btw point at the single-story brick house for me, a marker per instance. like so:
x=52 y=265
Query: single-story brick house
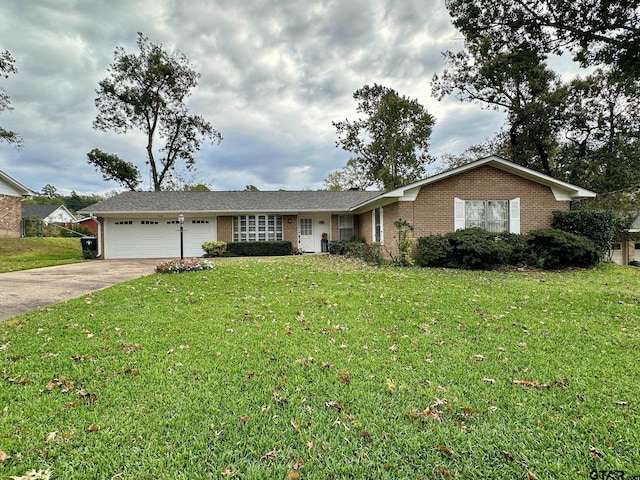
x=491 y=193
x=11 y=194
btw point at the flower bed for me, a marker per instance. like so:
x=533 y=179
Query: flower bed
x=185 y=265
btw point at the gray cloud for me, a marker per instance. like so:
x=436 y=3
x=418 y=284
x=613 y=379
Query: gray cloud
x=274 y=75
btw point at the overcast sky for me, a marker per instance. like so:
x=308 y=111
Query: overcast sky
x=275 y=74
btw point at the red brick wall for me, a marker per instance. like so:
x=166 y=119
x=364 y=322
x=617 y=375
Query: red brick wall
x=10 y=216
x=433 y=209
x=225 y=229
x=290 y=230
x=334 y=228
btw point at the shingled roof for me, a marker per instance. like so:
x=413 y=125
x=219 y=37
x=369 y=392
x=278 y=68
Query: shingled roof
x=231 y=202
x=42 y=211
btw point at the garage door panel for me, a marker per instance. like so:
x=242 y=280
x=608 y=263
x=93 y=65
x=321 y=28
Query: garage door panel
x=196 y=232
x=156 y=238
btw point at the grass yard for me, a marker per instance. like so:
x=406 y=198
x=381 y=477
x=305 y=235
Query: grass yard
x=33 y=252
x=320 y=368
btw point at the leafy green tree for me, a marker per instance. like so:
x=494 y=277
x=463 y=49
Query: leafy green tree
x=75 y=202
x=251 y=188
x=391 y=140
x=49 y=191
x=352 y=175
x=7 y=67
x=114 y=168
x=198 y=187
x=601 y=148
x=597 y=32
x=516 y=81
x=147 y=91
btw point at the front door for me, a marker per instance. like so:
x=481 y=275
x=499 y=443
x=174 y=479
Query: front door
x=305 y=235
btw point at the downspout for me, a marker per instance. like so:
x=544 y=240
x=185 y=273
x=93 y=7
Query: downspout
x=95 y=219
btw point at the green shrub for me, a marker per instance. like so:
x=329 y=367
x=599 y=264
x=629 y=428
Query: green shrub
x=477 y=249
x=214 y=249
x=403 y=242
x=354 y=247
x=553 y=248
x=520 y=255
x=599 y=226
x=260 y=249
x=337 y=247
x=89 y=254
x=433 y=251
x=369 y=252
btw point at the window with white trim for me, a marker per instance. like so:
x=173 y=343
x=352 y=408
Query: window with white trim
x=345 y=227
x=491 y=215
x=257 y=228
x=377 y=222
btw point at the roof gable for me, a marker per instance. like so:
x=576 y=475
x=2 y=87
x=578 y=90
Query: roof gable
x=561 y=190
x=44 y=211
x=10 y=186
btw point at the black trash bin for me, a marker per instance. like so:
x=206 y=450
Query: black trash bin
x=89 y=247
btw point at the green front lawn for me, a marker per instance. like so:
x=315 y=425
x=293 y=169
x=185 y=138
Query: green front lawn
x=318 y=368
x=33 y=252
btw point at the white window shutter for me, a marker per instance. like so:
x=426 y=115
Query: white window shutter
x=459 y=220
x=514 y=215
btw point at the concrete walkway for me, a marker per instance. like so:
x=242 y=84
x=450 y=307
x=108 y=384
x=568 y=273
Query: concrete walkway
x=28 y=290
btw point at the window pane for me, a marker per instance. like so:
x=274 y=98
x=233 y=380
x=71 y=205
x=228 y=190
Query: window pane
x=497 y=215
x=345 y=221
x=252 y=228
x=306 y=226
x=377 y=227
x=345 y=227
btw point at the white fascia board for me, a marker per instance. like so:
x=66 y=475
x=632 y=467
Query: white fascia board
x=19 y=188
x=410 y=194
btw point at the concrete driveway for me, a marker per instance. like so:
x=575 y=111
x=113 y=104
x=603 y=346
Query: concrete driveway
x=27 y=290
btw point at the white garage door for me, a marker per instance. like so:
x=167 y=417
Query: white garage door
x=157 y=238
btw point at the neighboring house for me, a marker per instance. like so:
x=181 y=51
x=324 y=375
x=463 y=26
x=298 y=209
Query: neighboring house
x=90 y=223
x=624 y=252
x=490 y=193
x=11 y=194
x=58 y=214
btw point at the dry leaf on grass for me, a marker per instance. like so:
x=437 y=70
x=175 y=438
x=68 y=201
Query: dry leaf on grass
x=3 y=457
x=445 y=450
x=269 y=455
x=34 y=475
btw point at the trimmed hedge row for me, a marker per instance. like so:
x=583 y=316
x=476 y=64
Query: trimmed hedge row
x=260 y=249
x=478 y=249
